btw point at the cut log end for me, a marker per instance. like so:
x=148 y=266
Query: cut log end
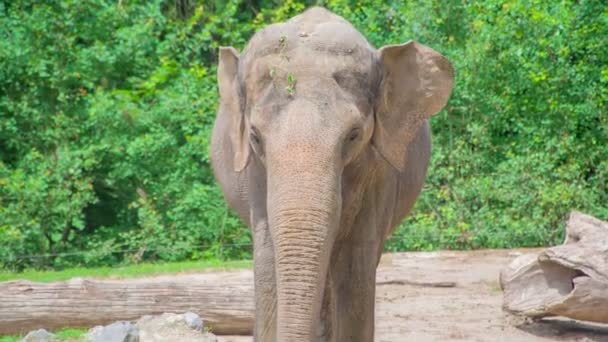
x=570 y=280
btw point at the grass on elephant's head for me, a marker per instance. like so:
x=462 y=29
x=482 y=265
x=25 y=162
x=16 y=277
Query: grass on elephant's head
x=63 y=335
x=129 y=271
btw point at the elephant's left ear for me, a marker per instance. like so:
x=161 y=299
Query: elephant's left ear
x=416 y=84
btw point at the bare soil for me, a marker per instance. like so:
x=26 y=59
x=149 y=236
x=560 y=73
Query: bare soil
x=455 y=296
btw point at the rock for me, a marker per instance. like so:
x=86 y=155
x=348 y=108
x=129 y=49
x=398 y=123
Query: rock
x=93 y=333
x=211 y=337
x=186 y=327
x=121 y=331
x=40 y=335
x=194 y=321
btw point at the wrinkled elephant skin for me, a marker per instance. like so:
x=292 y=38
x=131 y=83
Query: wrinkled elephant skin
x=321 y=145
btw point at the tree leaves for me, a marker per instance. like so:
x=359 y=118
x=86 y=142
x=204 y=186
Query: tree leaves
x=106 y=110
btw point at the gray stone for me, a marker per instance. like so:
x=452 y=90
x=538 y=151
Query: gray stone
x=194 y=321
x=121 y=331
x=40 y=335
x=186 y=327
x=210 y=337
x=93 y=333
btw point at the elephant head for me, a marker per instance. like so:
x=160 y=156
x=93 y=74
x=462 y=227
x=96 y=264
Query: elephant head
x=307 y=100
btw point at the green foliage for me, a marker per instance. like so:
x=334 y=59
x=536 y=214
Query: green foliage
x=127 y=271
x=62 y=335
x=106 y=109
x=523 y=140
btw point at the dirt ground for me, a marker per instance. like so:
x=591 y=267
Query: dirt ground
x=455 y=296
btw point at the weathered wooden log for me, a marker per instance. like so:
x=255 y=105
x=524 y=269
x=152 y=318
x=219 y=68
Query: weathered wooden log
x=223 y=300
x=569 y=280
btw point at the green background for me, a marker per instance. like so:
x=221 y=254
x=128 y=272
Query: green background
x=106 y=109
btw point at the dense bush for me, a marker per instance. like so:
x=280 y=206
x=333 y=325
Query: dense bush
x=106 y=108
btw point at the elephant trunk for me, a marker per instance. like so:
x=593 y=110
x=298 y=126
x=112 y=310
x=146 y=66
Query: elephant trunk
x=303 y=210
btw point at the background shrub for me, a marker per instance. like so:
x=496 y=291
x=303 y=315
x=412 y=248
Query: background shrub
x=106 y=109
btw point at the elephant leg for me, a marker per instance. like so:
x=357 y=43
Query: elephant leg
x=352 y=289
x=352 y=276
x=264 y=284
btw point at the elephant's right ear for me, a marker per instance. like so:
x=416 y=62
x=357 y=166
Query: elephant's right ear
x=231 y=101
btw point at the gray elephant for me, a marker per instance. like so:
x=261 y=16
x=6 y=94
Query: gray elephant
x=321 y=145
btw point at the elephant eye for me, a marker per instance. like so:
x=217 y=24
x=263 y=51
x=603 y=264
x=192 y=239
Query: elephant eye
x=354 y=134
x=254 y=135
x=255 y=138
x=256 y=141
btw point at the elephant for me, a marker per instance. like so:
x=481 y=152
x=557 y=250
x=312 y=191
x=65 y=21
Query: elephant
x=321 y=145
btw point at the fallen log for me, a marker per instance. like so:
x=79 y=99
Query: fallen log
x=417 y=283
x=569 y=280
x=223 y=300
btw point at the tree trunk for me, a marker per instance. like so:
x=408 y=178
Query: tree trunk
x=223 y=300
x=570 y=280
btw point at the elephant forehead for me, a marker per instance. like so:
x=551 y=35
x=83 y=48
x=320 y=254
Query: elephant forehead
x=302 y=68
x=315 y=54
x=303 y=64
x=315 y=35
